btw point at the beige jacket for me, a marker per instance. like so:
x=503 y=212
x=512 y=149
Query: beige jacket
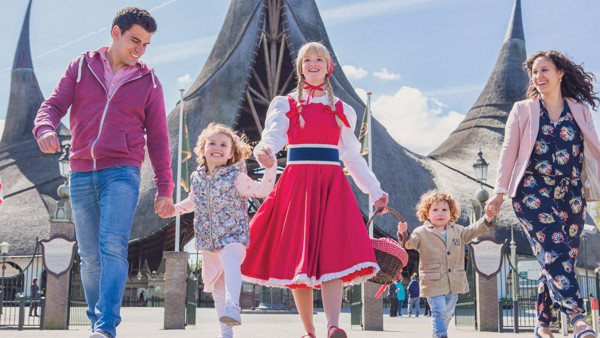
x=442 y=263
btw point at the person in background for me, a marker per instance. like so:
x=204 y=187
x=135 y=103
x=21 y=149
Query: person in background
x=35 y=296
x=401 y=295
x=393 y=298
x=413 y=296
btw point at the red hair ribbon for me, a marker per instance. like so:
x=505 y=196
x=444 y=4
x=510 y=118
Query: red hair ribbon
x=337 y=113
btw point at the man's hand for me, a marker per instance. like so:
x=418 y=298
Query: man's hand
x=163 y=206
x=49 y=143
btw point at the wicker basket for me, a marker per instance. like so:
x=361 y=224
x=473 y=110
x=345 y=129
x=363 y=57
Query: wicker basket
x=391 y=256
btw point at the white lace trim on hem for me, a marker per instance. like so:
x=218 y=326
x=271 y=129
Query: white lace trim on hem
x=303 y=279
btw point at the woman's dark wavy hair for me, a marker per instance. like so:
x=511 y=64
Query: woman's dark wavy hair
x=576 y=83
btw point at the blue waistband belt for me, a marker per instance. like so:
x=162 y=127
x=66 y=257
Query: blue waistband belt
x=300 y=154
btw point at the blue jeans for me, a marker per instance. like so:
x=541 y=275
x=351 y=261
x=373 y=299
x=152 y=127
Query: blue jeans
x=413 y=304
x=442 y=310
x=103 y=205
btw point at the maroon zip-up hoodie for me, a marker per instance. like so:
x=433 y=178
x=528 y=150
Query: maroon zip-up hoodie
x=109 y=131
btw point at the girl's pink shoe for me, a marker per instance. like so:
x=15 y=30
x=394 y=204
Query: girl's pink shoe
x=309 y=335
x=336 y=332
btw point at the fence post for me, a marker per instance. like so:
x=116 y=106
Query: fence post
x=597 y=283
x=1 y=300
x=42 y=311
x=516 y=316
x=21 y=312
x=564 y=323
x=500 y=316
x=595 y=314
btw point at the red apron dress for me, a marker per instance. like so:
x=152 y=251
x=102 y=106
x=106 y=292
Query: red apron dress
x=310 y=230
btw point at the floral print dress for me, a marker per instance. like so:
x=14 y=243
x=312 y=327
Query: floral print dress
x=550 y=204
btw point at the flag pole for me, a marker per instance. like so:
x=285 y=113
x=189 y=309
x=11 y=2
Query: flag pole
x=178 y=194
x=370 y=154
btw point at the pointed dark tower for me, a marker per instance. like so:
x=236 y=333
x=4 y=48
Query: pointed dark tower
x=483 y=127
x=25 y=94
x=26 y=172
x=251 y=62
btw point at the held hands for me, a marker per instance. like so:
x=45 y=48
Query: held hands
x=49 y=143
x=267 y=160
x=382 y=204
x=163 y=206
x=402 y=227
x=492 y=207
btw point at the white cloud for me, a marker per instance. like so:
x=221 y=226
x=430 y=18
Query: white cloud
x=384 y=74
x=415 y=121
x=354 y=73
x=448 y=91
x=361 y=93
x=182 y=81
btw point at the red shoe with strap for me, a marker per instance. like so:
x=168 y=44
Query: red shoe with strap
x=309 y=335
x=336 y=332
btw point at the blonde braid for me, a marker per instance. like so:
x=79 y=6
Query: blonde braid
x=300 y=90
x=331 y=104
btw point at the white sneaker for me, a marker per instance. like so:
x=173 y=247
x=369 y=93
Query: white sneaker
x=231 y=316
x=100 y=334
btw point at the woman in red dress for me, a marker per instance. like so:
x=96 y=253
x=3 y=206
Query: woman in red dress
x=309 y=233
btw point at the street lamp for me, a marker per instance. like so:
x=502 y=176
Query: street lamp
x=63 y=162
x=480 y=167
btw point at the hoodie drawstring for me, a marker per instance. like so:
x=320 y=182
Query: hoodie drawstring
x=80 y=65
x=153 y=82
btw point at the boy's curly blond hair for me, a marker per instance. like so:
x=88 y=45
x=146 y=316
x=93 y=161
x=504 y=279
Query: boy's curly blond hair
x=433 y=196
x=239 y=143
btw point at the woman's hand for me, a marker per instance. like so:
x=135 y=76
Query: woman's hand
x=492 y=208
x=381 y=203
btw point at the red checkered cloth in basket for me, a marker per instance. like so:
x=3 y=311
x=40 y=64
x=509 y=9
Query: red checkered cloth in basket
x=391 y=247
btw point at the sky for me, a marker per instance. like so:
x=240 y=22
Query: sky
x=426 y=61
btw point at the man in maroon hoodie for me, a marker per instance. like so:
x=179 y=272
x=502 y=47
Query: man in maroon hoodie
x=117 y=106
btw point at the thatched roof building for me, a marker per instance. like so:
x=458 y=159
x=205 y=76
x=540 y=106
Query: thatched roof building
x=252 y=62
x=26 y=172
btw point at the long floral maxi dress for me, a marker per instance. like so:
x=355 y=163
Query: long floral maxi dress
x=550 y=204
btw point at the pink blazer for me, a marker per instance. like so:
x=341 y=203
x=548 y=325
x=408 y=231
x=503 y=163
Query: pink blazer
x=519 y=139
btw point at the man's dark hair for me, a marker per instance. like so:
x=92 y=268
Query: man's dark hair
x=130 y=16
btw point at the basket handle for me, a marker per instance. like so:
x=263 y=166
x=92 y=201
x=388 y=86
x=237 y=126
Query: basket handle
x=376 y=212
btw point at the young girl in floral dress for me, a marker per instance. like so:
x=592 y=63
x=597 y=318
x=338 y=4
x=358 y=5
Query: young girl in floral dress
x=309 y=233
x=219 y=194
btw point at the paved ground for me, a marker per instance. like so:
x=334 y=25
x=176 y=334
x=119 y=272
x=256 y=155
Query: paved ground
x=148 y=322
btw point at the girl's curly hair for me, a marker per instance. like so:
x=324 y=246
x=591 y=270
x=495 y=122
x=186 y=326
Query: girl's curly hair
x=576 y=82
x=433 y=196
x=239 y=143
